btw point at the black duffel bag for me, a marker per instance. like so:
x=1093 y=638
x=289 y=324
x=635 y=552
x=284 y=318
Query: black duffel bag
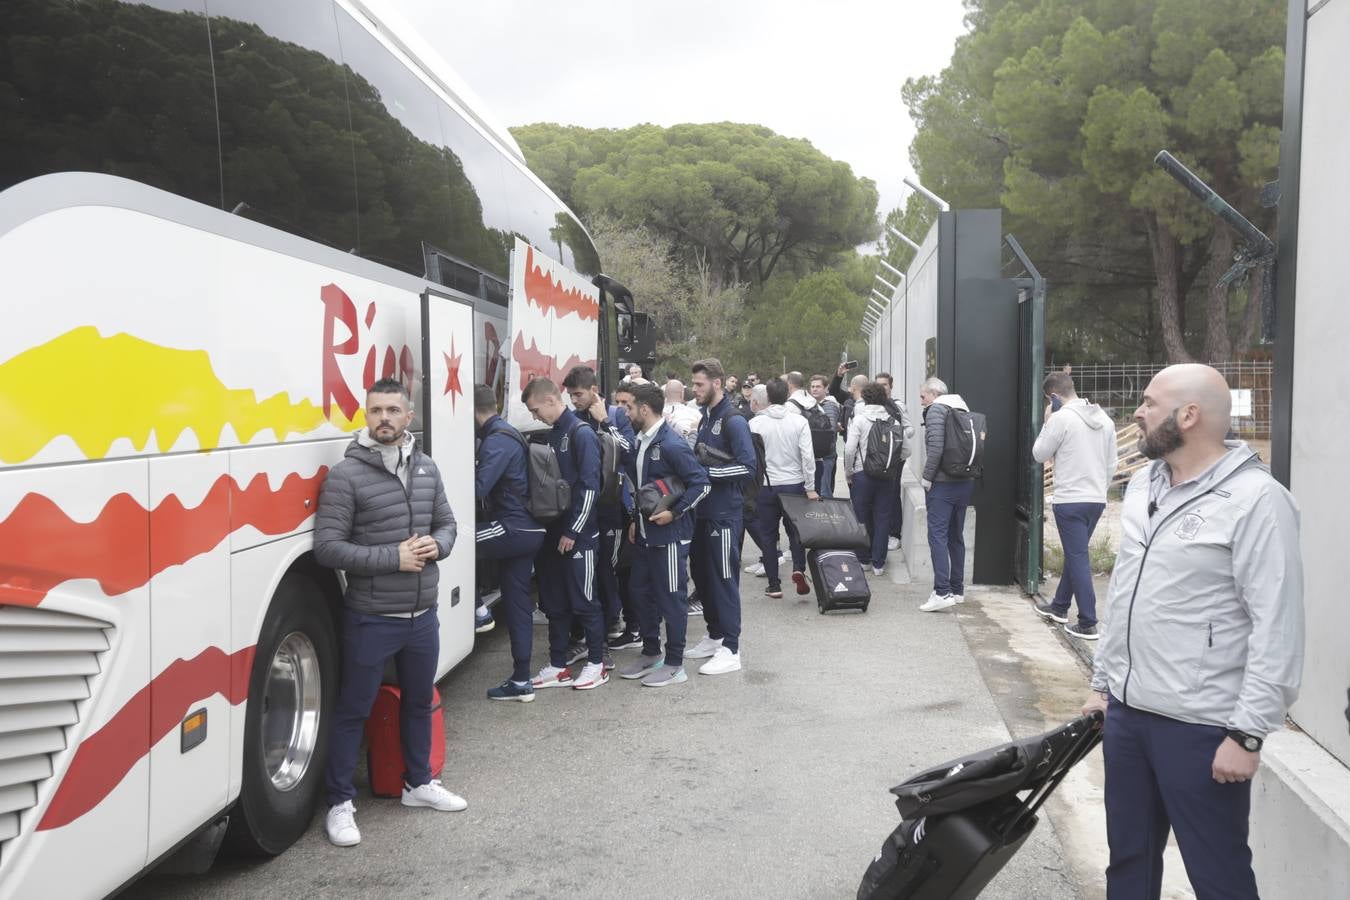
x=659 y=495
x=825 y=524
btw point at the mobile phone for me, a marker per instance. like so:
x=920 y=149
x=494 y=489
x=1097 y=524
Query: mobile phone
x=1055 y=403
x=851 y=364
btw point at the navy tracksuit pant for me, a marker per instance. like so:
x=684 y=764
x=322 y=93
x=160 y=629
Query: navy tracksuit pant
x=1076 y=522
x=716 y=559
x=658 y=584
x=567 y=594
x=367 y=643
x=1158 y=778
x=770 y=515
x=872 y=498
x=615 y=596
x=947 y=502
x=515 y=552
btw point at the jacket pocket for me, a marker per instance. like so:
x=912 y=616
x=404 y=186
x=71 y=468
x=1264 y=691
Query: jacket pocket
x=1205 y=640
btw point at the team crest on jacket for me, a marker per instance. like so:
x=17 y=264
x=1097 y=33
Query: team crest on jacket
x=1189 y=526
x=717 y=427
x=656 y=453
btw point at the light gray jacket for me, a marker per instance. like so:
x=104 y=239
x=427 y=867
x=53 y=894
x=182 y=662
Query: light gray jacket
x=1206 y=600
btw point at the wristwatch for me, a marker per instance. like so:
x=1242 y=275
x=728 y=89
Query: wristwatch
x=1249 y=742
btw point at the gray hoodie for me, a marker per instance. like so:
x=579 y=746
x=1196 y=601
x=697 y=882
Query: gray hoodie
x=1206 y=600
x=1082 y=440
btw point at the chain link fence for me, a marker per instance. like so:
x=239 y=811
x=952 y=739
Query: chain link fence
x=1118 y=389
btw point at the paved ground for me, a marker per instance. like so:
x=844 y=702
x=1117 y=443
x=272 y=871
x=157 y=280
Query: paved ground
x=767 y=783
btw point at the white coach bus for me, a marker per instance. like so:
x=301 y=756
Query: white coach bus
x=218 y=225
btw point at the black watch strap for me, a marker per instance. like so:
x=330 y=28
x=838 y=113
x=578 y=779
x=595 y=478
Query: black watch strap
x=1249 y=742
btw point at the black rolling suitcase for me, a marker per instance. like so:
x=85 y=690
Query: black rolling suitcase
x=965 y=819
x=839 y=579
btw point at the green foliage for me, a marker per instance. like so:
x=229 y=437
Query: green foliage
x=742 y=199
x=1054 y=109
x=805 y=323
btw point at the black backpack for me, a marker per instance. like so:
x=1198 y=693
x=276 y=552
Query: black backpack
x=611 y=460
x=750 y=490
x=823 y=438
x=550 y=496
x=963 y=444
x=884 y=456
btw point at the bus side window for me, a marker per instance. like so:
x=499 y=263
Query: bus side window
x=284 y=133
x=402 y=170
x=116 y=88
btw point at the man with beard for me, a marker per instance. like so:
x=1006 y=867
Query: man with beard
x=384 y=519
x=1203 y=653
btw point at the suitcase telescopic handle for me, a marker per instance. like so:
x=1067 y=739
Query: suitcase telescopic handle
x=1084 y=744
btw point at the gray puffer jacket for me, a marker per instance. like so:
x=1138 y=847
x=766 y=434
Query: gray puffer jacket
x=366 y=511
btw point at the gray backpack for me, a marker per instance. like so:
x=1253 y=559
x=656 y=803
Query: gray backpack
x=550 y=495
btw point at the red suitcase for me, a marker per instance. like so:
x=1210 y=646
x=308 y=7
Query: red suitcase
x=384 y=751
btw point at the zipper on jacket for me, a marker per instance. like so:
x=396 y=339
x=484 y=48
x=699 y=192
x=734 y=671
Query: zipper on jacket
x=1148 y=545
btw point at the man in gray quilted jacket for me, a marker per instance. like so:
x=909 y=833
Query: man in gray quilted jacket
x=384 y=520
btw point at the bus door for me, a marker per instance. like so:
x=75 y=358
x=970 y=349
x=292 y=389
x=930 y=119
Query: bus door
x=446 y=412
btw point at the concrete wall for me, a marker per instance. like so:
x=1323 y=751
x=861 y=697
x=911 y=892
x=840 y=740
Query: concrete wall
x=1300 y=833
x=1320 y=439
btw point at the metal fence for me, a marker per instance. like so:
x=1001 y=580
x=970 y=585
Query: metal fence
x=1118 y=389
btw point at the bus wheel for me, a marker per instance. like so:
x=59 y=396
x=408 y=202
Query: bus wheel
x=290 y=698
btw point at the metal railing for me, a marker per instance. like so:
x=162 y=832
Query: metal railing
x=1119 y=388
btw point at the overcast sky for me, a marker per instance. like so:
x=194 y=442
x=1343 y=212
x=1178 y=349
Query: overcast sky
x=828 y=72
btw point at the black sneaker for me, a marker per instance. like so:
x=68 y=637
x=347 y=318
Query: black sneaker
x=626 y=640
x=576 y=653
x=775 y=591
x=1082 y=632
x=695 y=608
x=1048 y=611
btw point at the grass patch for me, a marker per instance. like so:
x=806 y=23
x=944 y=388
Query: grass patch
x=1102 y=557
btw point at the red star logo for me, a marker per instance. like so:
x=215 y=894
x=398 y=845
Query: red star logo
x=452 y=385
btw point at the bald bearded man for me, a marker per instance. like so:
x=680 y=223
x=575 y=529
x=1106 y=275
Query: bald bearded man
x=1203 y=651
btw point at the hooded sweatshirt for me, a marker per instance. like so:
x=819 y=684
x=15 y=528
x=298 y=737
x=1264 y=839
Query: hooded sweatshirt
x=394 y=456
x=859 y=428
x=935 y=436
x=1082 y=440
x=788 y=456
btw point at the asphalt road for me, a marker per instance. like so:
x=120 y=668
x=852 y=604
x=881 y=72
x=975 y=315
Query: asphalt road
x=768 y=783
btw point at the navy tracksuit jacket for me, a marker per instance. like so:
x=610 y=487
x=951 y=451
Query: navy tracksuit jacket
x=507 y=532
x=661 y=554
x=613 y=595
x=718 y=535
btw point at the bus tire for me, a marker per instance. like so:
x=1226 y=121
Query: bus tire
x=284 y=753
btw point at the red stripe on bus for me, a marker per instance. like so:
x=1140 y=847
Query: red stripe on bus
x=545 y=293
x=105 y=757
x=126 y=545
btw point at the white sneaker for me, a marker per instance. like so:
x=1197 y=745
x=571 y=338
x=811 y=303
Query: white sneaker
x=704 y=648
x=936 y=602
x=722 y=662
x=892 y=543
x=341 y=825
x=552 y=676
x=877 y=570
x=756 y=570
x=432 y=794
x=539 y=618
x=592 y=676
x=959 y=598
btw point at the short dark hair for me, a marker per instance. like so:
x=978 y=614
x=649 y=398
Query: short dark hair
x=821 y=378
x=874 y=394
x=539 y=387
x=712 y=367
x=886 y=375
x=1057 y=383
x=625 y=387
x=390 y=386
x=778 y=391
x=580 y=377
x=795 y=380
x=484 y=400
x=648 y=395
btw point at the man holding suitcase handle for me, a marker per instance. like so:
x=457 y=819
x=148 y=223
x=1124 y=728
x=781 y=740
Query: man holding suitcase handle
x=1204 y=651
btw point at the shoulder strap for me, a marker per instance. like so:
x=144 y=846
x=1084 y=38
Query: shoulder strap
x=796 y=404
